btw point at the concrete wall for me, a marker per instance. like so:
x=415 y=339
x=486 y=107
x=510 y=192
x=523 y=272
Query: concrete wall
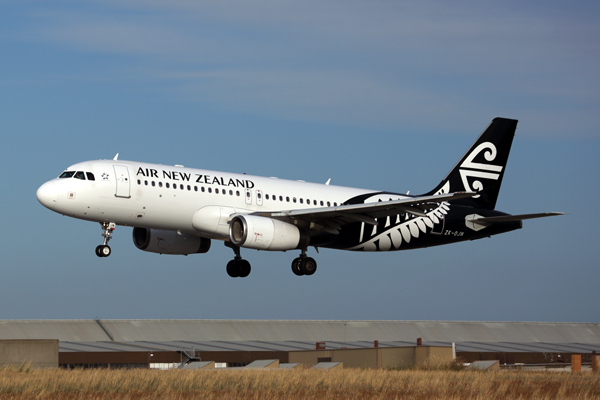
x=39 y=353
x=382 y=357
x=400 y=357
x=424 y=353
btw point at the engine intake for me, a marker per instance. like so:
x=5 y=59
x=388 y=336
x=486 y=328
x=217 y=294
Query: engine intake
x=169 y=242
x=262 y=233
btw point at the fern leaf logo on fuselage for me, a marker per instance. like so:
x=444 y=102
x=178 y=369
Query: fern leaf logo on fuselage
x=471 y=169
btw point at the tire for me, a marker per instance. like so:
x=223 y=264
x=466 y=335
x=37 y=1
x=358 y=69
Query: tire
x=244 y=268
x=308 y=266
x=98 y=251
x=233 y=269
x=296 y=267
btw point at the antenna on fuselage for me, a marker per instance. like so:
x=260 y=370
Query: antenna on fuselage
x=328 y=180
x=116 y=157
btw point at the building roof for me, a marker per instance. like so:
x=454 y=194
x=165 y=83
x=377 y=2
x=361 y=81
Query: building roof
x=219 y=346
x=289 y=335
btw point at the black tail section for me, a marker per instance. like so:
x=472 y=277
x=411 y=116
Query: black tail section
x=481 y=169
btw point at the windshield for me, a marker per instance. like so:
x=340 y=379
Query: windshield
x=67 y=174
x=78 y=175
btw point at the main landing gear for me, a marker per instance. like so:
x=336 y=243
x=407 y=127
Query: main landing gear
x=238 y=267
x=304 y=265
x=104 y=250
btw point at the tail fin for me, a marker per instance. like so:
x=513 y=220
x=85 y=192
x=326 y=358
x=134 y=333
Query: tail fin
x=481 y=169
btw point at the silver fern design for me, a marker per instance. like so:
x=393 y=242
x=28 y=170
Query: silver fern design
x=401 y=232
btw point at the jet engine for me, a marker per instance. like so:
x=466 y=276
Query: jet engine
x=262 y=233
x=169 y=242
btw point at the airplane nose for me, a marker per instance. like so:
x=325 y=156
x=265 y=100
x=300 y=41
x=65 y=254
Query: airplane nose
x=47 y=194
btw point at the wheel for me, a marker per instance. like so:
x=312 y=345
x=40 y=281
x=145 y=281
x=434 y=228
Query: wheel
x=244 y=268
x=105 y=251
x=233 y=268
x=308 y=266
x=296 y=266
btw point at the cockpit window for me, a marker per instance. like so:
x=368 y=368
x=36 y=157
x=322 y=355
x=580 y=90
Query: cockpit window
x=67 y=174
x=90 y=176
x=79 y=175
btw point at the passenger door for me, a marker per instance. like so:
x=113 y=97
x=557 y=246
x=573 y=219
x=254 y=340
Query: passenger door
x=122 y=179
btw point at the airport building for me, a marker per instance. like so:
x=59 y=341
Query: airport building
x=144 y=343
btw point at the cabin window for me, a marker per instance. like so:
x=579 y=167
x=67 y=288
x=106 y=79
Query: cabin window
x=67 y=174
x=153 y=183
x=294 y=199
x=280 y=198
x=301 y=200
x=146 y=183
x=231 y=192
x=139 y=182
x=328 y=204
x=266 y=197
x=237 y=193
x=321 y=202
x=159 y=184
x=195 y=188
x=189 y=187
x=209 y=190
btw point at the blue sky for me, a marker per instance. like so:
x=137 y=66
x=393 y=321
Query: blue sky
x=375 y=94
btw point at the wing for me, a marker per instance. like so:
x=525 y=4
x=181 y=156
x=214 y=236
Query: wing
x=330 y=219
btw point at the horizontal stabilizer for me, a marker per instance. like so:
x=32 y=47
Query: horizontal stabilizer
x=510 y=218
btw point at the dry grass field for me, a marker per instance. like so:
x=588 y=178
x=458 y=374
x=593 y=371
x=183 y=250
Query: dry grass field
x=292 y=384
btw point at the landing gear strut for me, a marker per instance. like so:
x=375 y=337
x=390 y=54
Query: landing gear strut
x=238 y=267
x=104 y=250
x=304 y=265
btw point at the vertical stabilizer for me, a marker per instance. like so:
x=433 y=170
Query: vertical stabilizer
x=482 y=168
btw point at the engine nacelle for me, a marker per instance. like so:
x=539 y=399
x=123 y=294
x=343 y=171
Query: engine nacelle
x=262 y=233
x=169 y=242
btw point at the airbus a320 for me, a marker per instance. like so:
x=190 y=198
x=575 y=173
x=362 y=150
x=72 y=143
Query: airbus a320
x=178 y=210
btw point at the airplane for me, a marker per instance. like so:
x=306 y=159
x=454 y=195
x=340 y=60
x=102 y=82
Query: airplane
x=178 y=210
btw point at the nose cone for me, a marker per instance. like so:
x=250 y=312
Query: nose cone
x=47 y=194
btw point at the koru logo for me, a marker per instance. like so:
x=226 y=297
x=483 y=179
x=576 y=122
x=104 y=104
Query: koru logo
x=478 y=170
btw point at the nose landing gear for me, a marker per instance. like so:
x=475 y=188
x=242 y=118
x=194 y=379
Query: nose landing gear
x=104 y=249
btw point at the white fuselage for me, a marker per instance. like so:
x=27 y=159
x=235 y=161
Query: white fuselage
x=170 y=197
